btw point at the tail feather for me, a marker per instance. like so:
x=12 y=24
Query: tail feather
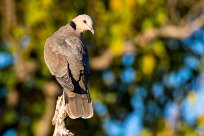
x=78 y=105
x=87 y=108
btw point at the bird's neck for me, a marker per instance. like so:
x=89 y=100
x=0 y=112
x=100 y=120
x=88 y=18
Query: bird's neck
x=76 y=31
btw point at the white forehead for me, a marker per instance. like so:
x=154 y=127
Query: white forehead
x=83 y=17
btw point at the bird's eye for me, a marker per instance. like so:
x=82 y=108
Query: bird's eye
x=84 y=21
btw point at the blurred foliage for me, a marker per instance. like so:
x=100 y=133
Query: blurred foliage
x=155 y=90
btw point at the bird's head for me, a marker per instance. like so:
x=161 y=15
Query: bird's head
x=83 y=23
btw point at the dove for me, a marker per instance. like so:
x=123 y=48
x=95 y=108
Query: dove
x=66 y=57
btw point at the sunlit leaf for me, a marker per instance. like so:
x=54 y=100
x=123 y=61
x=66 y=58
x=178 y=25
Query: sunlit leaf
x=192 y=97
x=116 y=4
x=159 y=48
x=148 y=64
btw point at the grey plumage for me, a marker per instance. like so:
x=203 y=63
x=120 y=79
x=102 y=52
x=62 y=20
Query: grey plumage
x=67 y=59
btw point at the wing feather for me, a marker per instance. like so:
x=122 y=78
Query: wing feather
x=65 y=51
x=68 y=54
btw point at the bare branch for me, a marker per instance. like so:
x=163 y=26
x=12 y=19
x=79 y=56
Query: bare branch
x=105 y=59
x=170 y=31
x=9 y=15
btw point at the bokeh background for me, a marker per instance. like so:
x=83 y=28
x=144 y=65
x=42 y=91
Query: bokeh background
x=146 y=59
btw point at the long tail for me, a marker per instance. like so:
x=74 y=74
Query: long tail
x=78 y=105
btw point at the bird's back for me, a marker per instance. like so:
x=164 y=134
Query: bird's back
x=67 y=59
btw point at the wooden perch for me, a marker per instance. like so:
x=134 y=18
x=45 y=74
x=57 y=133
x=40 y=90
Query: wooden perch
x=59 y=119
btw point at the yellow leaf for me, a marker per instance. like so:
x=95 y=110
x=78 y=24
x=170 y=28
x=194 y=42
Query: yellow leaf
x=117 y=47
x=159 y=49
x=35 y=13
x=147 y=24
x=161 y=17
x=46 y=2
x=146 y=132
x=201 y=120
x=164 y=128
x=130 y=3
x=18 y=32
x=148 y=64
x=95 y=94
x=141 y=2
x=192 y=97
x=116 y=5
